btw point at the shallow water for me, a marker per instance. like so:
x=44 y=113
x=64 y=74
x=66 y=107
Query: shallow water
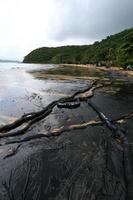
x=20 y=92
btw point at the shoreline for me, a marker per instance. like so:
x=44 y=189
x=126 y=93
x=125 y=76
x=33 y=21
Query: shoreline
x=73 y=72
x=64 y=77
x=103 y=68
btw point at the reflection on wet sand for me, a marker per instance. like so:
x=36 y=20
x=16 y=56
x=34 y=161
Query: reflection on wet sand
x=6 y=119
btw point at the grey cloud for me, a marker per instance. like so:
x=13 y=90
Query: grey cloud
x=90 y=19
x=59 y=22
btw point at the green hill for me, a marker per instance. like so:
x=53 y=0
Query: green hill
x=115 y=50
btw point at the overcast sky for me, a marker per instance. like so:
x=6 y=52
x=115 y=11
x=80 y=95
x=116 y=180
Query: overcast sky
x=29 y=24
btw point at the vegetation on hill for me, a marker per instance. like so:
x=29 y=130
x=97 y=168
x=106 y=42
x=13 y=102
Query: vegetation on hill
x=115 y=50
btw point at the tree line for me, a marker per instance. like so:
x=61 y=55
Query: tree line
x=115 y=50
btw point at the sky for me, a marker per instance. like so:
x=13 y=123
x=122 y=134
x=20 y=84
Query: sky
x=29 y=24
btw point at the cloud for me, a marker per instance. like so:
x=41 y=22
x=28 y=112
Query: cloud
x=23 y=26
x=28 y=24
x=91 y=19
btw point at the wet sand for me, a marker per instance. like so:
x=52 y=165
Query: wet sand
x=79 y=164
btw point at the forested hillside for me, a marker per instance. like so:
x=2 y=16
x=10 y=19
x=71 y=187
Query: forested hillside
x=115 y=50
